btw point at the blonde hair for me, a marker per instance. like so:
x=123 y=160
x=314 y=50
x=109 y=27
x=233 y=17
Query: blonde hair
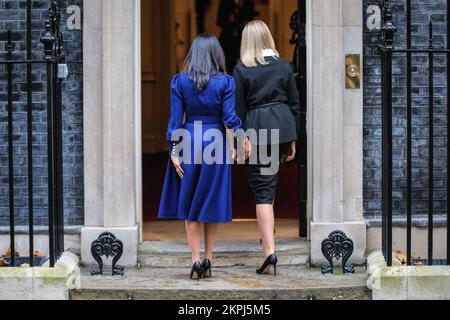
x=256 y=38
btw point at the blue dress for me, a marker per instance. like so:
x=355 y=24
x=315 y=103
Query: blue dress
x=204 y=193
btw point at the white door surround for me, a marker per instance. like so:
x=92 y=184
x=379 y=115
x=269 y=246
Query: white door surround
x=112 y=125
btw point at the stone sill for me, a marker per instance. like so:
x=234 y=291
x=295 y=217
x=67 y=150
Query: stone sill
x=39 y=230
x=438 y=221
x=41 y=283
x=406 y=282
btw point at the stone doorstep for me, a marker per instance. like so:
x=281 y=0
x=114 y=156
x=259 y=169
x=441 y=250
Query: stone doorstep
x=40 y=283
x=291 y=283
x=407 y=282
x=173 y=254
x=222 y=260
x=347 y=293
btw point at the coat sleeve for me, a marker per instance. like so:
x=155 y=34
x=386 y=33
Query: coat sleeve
x=241 y=101
x=176 y=109
x=229 y=116
x=293 y=97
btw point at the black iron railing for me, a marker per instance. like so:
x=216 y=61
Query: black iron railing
x=388 y=52
x=54 y=62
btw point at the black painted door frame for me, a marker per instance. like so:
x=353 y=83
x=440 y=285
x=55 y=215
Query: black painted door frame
x=301 y=69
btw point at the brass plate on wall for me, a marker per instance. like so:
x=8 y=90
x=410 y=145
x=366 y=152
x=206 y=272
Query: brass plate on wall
x=353 y=71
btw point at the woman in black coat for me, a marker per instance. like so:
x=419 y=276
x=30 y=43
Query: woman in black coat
x=266 y=99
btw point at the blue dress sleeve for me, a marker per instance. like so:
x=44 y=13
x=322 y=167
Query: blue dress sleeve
x=229 y=116
x=176 y=108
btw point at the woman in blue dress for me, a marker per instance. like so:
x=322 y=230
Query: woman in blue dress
x=197 y=186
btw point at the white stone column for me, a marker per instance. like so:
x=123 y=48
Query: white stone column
x=110 y=113
x=336 y=126
x=93 y=113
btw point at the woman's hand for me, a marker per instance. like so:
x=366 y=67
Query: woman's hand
x=234 y=155
x=177 y=164
x=247 y=148
x=292 y=152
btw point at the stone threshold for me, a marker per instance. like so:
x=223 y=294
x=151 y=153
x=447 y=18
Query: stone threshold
x=291 y=283
x=176 y=254
x=224 y=246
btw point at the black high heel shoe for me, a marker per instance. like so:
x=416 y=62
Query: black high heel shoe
x=197 y=271
x=271 y=260
x=206 y=266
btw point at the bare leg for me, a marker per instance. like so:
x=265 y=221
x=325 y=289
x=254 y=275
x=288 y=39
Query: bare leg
x=266 y=223
x=194 y=235
x=210 y=239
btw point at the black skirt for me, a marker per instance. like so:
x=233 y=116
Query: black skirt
x=262 y=184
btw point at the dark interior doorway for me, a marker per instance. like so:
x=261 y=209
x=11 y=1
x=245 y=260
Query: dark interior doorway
x=286 y=205
x=174 y=22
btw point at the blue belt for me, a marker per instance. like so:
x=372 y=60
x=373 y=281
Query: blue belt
x=204 y=119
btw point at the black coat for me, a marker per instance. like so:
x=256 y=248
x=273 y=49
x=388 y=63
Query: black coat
x=267 y=98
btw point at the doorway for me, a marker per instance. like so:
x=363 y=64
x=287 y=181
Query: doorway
x=167 y=30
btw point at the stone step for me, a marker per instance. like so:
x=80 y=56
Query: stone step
x=176 y=254
x=232 y=283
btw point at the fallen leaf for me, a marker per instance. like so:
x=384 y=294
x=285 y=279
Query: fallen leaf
x=7 y=253
x=3 y=262
x=401 y=256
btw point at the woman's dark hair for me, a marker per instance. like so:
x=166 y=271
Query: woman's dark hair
x=204 y=60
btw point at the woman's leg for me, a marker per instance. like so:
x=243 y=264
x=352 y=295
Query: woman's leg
x=194 y=235
x=266 y=223
x=210 y=239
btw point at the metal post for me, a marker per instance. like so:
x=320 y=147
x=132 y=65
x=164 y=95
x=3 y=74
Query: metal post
x=409 y=137
x=448 y=133
x=431 y=146
x=48 y=39
x=30 y=136
x=388 y=31
x=54 y=21
x=9 y=49
x=55 y=14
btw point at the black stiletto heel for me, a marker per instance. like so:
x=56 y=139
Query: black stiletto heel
x=271 y=260
x=197 y=271
x=207 y=267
